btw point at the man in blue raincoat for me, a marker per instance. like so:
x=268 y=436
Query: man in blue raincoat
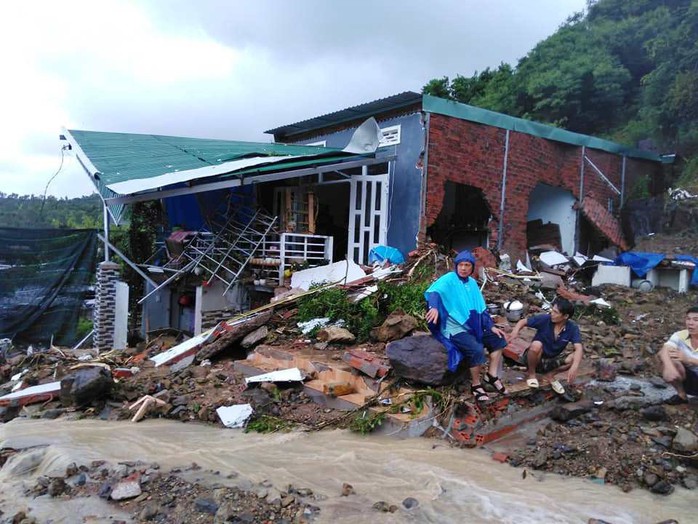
x=458 y=318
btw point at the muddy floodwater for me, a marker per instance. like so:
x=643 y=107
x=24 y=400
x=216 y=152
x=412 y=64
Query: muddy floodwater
x=451 y=485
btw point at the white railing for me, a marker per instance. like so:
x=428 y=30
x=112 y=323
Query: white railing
x=293 y=248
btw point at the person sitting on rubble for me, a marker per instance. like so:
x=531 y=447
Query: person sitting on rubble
x=554 y=331
x=458 y=318
x=679 y=359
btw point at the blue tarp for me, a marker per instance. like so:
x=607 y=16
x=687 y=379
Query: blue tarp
x=641 y=263
x=383 y=253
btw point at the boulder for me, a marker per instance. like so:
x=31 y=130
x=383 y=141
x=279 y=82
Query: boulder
x=398 y=325
x=84 y=385
x=421 y=358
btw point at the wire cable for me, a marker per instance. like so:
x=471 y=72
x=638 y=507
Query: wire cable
x=43 y=200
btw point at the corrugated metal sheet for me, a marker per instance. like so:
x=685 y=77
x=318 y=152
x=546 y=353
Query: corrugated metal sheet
x=349 y=114
x=122 y=157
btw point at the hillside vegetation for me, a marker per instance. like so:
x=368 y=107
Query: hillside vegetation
x=623 y=70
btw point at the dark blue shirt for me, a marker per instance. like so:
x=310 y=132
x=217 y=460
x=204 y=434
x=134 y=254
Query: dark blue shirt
x=546 y=335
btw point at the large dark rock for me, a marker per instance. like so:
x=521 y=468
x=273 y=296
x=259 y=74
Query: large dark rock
x=566 y=412
x=420 y=358
x=84 y=385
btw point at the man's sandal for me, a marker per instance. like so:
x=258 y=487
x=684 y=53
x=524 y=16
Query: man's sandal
x=532 y=383
x=479 y=393
x=496 y=384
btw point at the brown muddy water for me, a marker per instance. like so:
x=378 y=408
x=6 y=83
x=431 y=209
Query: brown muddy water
x=451 y=485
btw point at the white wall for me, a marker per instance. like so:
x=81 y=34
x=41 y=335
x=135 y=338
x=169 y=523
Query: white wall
x=553 y=204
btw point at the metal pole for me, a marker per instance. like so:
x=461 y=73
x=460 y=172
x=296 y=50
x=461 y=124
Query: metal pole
x=500 y=233
x=106 y=232
x=578 y=228
x=622 y=182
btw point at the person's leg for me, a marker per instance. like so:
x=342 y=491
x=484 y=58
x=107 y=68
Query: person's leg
x=534 y=354
x=494 y=345
x=474 y=352
x=690 y=383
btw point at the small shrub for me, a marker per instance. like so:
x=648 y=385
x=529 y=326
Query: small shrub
x=366 y=422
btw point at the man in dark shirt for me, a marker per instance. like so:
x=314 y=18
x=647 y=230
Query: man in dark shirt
x=553 y=332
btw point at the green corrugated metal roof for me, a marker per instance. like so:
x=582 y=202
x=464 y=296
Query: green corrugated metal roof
x=119 y=157
x=432 y=104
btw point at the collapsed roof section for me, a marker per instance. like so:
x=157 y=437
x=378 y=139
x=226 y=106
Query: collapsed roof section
x=127 y=168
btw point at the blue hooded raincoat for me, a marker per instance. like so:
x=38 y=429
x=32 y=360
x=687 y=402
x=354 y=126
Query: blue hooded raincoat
x=460 y=300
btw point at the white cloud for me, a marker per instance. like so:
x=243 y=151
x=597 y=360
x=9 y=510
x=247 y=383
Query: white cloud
x=221 y=69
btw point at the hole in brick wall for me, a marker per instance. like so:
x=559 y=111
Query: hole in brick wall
x=462 y=223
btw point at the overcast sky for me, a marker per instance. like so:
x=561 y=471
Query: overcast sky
x=228 y=69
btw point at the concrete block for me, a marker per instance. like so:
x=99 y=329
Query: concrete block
x=677 y=279
x=611 y=275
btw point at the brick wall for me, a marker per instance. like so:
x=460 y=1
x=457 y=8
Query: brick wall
x=473 y=154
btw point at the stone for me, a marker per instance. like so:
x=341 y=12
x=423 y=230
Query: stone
x=662 y=488
x=410 y=503
x=566 y=412
x=335 y=335
x=57 y=487
x=381 y=505
x=690 y=482
x=149 y=512
x=127 y=488
x=654 y=413
x=541 y=459
x=685 y=441
x=398 y=325
x=206 y=506
x=658 y=382
x=347 y=489
x=254 y=338
x=85 y=385
x=421 y=358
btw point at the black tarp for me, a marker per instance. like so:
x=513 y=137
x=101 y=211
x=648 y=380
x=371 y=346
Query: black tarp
x=45 y=278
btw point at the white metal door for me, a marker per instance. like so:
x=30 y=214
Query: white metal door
x=368 y=214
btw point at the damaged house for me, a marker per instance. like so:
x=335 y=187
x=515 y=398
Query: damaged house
x=396 y=172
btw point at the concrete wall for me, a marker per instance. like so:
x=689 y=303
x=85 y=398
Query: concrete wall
x=554 y=204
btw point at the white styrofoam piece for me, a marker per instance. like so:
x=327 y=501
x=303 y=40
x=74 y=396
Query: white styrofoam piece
x=553 y=258
x=283 y=375
x=337 y=272
x=234 y=416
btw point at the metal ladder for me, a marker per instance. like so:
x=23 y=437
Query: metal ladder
x=225 y=254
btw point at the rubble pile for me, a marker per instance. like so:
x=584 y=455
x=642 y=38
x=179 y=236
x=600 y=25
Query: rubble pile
x=151 y=494
x=620 y=434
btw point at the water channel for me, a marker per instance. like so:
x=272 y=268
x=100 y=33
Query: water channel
x=451 y=484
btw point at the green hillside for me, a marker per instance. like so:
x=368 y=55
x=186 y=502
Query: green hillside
x=623 y=70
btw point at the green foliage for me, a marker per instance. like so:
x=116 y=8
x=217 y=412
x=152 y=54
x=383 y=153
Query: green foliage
x=31 y=211
x=366 y=421
x=609 y=315
x=267 y=424
x=333 y=303
x=83 y=328
x=405 y=296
